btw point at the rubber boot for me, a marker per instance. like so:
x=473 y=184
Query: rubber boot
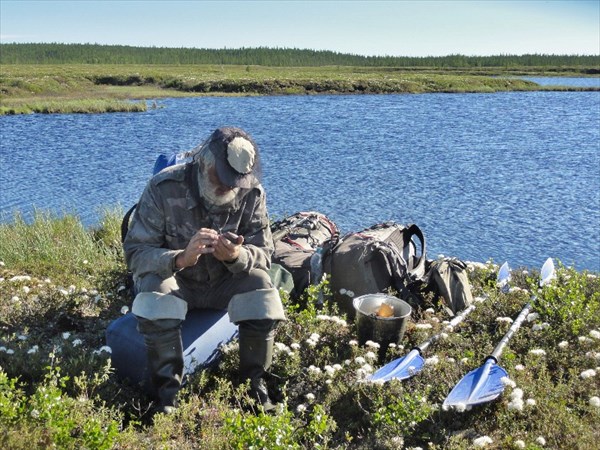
x=256 y=355
x=165 y=360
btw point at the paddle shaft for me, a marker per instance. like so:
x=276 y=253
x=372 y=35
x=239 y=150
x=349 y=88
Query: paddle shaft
x=514 y=327
x=458 y=319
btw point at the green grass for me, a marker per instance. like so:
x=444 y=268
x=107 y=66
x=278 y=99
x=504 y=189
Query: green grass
x=62 y=284
x=93 y=88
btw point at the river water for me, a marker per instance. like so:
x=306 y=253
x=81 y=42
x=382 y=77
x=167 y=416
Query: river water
x=506 y=176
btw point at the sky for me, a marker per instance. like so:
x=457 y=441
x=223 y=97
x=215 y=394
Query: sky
x=371 y=28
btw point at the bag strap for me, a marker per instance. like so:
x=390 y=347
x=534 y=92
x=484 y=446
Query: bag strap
x=416 y=267
x=125 y=223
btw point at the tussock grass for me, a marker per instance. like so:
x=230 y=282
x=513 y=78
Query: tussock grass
x=62 y=284
x=70 y=106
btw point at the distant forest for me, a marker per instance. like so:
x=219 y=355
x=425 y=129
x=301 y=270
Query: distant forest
x=262 y=56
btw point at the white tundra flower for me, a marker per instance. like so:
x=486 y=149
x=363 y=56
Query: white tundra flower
x=460 y=407
x=516 y=393
x=508 y=382
x=66 y=335
x=519 y=367
x=423 y=326
x=516 y=404
x=563 y=344
x=590 y=373
x=504 y=319
x=329 y=370
x=530 y=402
x=301 y=408
x=372 y=344
x=595 y=334
x=520 y=444
x=532 y=316
x=33 y=350
x=432 y=361
x=20 y=278
x=595 y=401
x=540 y=440
x=537 y=352
x=314 y=369
x=367 y=368
x=482 y=441
x=311 y=343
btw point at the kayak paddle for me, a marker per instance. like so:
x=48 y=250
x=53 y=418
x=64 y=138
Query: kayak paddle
x=411 y=364
x=484 y=384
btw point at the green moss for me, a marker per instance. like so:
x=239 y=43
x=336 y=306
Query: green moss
x=62 y=284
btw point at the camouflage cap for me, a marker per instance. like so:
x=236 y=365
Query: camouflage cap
x=236 y=157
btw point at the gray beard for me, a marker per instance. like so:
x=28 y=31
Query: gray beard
x=207 y=192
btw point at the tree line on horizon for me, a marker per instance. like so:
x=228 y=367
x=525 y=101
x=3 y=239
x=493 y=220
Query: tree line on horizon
x=54 y=53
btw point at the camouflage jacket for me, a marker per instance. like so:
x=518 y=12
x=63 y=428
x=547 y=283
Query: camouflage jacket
x=170 y=212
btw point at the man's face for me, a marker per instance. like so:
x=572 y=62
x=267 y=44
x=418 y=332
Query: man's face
x=213 y=190
x=220 y=189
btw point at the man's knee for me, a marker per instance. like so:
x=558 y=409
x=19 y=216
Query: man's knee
x=252 y=281
x=258 y=304
x=153 y=283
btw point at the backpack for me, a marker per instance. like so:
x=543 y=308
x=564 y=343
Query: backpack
x=162 y=161
x=447 y=278
x=382 y=257
x=299 y=242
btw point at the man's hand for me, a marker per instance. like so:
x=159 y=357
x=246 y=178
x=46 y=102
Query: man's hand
x=204 y=241
x=227 y=248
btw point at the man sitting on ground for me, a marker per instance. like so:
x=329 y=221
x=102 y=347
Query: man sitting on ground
x=200 y=238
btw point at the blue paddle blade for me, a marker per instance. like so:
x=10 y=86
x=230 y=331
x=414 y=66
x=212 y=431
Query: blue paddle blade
x=401 y=368
x=480 y=385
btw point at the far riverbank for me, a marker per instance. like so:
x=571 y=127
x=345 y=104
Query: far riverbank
x=84 y=88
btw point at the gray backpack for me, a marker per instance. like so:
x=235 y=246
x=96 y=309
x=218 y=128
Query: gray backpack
x=384 y=256
x=299 y=241
x=447 y=278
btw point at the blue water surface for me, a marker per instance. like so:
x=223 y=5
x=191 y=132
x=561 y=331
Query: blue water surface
x=588 y=82
x=508 y=176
